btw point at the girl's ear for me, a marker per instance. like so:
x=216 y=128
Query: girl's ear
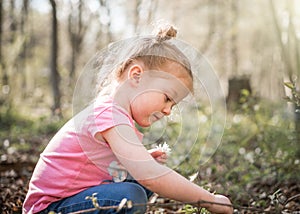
x=135 y=73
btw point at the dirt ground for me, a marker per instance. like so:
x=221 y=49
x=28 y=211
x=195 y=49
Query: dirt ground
x=16 y=169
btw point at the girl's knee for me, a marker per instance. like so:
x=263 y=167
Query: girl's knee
x=138 y=196
x=136 y=193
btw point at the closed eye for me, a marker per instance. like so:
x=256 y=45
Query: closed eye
x=167 y=98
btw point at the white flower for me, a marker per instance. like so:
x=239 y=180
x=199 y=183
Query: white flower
x=164 y=148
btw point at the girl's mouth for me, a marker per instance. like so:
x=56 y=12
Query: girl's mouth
x=156 y=117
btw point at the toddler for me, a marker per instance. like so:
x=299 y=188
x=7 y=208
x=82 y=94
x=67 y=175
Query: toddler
x=100 y=151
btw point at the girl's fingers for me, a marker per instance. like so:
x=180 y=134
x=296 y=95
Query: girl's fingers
x=159 y=156
x=162 y=159
x=157 y=153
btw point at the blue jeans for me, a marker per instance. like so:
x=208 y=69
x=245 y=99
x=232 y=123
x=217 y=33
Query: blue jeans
x=109 y=194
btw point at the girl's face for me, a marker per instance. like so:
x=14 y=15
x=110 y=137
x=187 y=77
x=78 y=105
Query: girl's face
x=157 y=92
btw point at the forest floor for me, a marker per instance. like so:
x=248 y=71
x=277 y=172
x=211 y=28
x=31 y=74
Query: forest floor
x=16 y=168
x=269 y=183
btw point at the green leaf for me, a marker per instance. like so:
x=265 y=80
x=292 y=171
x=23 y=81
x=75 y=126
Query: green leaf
x=289 y=85
x=245 y=92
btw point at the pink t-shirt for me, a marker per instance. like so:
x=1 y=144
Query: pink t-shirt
x=75 y=160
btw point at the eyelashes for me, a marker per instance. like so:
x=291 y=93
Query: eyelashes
x=167 y=98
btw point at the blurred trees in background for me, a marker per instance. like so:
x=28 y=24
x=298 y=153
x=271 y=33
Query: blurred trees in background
x=256 y=40
x=55 y=77
x=253 y=46
x=288 y=37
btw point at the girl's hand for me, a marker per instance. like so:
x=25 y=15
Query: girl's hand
x=159 y=156
x=215 y=208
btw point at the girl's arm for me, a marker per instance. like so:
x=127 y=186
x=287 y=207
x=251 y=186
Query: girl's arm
x=154 y=176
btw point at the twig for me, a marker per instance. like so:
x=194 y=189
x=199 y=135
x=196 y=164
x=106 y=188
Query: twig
x=292 y=198
x=126 y=204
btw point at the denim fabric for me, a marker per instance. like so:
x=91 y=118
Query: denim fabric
x=109 y=194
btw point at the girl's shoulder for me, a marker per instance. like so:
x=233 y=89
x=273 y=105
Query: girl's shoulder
x=107 y=111
x=107 y=104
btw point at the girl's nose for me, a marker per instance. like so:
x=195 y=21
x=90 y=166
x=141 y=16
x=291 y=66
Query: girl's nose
x=167 y=110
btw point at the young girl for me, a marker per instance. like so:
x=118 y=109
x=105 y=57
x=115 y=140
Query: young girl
x=100 y=151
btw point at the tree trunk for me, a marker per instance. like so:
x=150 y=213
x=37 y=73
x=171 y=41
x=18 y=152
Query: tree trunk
x=73 y=42
x=23 y=55
x=1 y=24
x=234 y=33
x=4 y=76
x=152 y=10
x=105 y=4
x=24 y=16
x=13 y=22
x=55 y=78
x=77 y=32
x=136 y=15
x=236 y=85
x=5 y=98
x=284 y=51
x=211 y=17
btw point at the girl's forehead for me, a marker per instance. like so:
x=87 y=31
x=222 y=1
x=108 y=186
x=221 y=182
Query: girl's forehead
x=178 y=71
x=166 y=82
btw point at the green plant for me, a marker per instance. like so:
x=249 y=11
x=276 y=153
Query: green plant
x=295 y=96
x=189 y=209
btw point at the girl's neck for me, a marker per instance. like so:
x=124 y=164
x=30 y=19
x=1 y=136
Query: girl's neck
x=121 y=97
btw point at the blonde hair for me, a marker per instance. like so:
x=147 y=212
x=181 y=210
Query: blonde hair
x=156 y=51
x=152 y=51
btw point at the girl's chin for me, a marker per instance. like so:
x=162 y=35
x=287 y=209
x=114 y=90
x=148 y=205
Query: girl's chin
x=146 y=124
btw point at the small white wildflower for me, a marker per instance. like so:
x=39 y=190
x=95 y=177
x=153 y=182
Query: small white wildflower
x=242 y=151
x=193 y=177
x=6 y=143
x=164 y=148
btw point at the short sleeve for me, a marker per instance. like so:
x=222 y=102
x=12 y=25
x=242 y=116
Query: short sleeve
x=108 y=117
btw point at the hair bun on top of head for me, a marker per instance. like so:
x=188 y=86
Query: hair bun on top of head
x=165 y=33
